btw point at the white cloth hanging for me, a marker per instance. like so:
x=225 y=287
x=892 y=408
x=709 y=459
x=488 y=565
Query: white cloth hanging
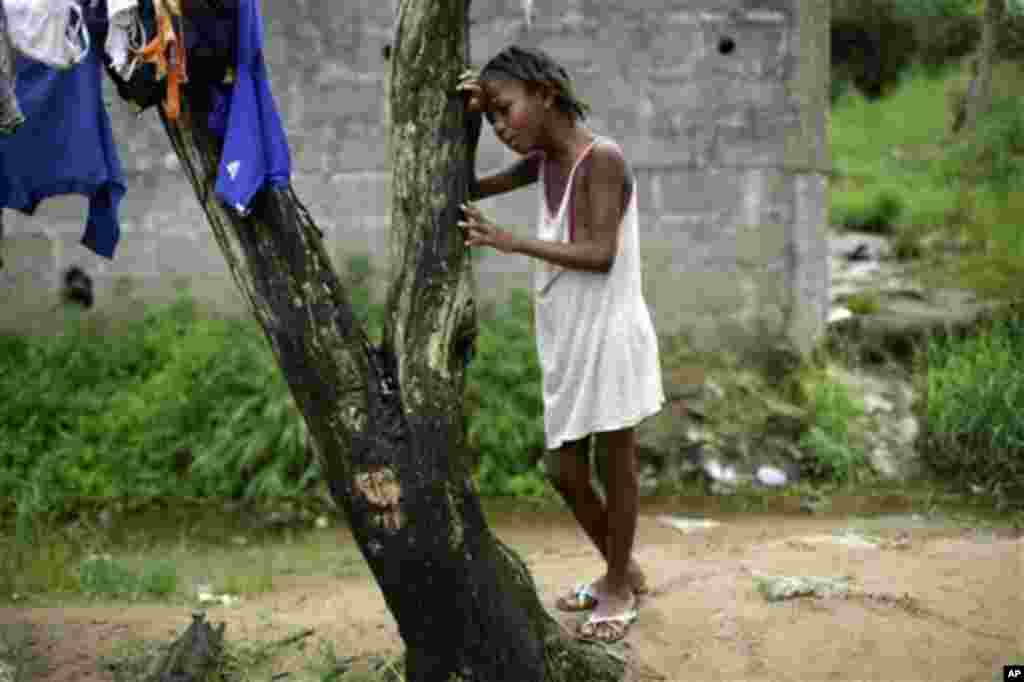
x=125 y=36
x=49 y=31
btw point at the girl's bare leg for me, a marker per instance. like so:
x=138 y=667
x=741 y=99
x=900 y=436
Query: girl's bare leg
x=619 y=447
x=570 y=475
x=571 y=478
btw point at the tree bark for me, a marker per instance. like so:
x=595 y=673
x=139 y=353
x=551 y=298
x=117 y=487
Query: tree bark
x=387 y=420
x=979 y=97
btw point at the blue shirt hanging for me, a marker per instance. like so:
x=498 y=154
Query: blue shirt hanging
x=65 y=147
x=255 y=151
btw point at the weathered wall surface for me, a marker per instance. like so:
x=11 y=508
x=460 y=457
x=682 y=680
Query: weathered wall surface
x=729 y=148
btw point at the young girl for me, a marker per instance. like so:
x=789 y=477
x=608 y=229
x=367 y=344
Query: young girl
x=597 y=346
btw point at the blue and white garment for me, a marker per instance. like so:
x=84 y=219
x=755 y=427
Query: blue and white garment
x=49 y=31
x=126 y=35
x=66 y=146
x=255 y=152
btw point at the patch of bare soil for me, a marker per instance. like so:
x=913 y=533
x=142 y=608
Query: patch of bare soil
x=925 y=604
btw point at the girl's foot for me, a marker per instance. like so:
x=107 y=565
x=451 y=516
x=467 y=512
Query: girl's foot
x=611 y=619
x=579 y=598
x=584 y=596
x=637 y=581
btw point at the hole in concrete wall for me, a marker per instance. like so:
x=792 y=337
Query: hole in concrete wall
x=726 y=45
x=386 y=52
x=77 y=287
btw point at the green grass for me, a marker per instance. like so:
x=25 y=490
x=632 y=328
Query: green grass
x=166 y=563
x=102 y=575
x=973 y=390
x=884 y=154
x=904 y=173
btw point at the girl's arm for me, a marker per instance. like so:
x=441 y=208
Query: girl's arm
x=602 y=200
x=519 y=174
x=523 y=172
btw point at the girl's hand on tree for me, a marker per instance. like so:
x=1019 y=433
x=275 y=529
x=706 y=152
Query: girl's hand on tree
x=481 y=231
x=469 y=83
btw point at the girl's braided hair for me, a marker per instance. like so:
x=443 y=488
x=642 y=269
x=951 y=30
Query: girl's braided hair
x=535 y=68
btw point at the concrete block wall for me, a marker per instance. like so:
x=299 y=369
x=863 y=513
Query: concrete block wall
x=729 y=149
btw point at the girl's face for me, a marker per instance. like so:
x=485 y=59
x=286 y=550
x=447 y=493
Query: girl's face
x=517 y=114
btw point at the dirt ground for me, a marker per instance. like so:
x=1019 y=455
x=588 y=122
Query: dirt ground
x=943 y=603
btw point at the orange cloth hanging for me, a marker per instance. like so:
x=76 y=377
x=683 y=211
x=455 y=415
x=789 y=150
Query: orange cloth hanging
x=167 y=52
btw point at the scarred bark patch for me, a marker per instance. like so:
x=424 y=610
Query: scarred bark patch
x=382 y=491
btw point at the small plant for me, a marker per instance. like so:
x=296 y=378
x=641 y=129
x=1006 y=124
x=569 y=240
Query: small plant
x=159 y=578
x=835 y=451
x=100 y=575
x=907 y=245
x=878 y=213
x=862 y=303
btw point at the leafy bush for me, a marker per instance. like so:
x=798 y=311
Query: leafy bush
x=181 y=404
x=973 y=391
x=862 y=212
x=836 y=452
x=504 y=405
x=175 y=403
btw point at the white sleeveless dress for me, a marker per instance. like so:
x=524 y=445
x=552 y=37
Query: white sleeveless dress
x=596 y=343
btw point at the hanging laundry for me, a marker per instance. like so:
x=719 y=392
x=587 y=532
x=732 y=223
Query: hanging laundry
x=10 y=114
x=255 y=151
x=126 y=36
x=142 y=88
x=49 y=31
x=211 y=38
x=66 y=146
x=168 y=53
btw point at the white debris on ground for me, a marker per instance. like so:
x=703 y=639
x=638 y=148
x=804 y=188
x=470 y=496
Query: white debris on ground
x=7 y=672
x=779 y=587
x=845 y=539
x=770 y=476
x=206 y=597
x=686 y=525
x=719 y=472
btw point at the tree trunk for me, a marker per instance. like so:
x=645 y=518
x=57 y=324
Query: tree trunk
x=387 y=420
x=979 y=96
